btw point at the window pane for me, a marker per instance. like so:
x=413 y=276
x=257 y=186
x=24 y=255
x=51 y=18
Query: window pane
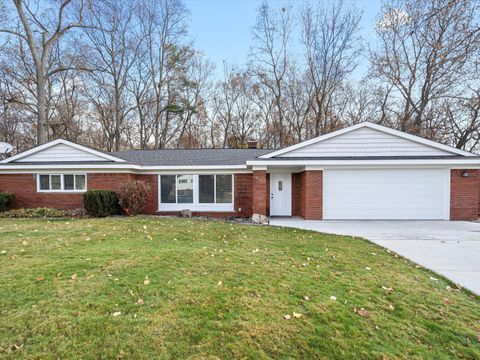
x=80 y=182
x=167 y=189
x=206 y=188
x=55 y=182
x=224 y=189
x=68 y=182
x=44 y=182
x=185 y=189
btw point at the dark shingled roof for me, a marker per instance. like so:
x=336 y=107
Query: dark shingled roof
x=196 y=157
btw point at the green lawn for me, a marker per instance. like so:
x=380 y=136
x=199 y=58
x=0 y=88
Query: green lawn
x=144 y=288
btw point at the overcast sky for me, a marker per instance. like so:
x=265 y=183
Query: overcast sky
x=221 y=28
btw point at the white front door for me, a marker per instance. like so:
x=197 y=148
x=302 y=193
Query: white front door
x=281 y=194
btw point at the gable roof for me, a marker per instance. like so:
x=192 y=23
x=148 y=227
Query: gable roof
x=188 y=157
x=431 y=148
x=50 y=152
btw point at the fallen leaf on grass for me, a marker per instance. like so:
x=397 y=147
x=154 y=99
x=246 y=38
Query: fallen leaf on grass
x=73 y=277
x=306 y=298
x=388 y=290
x=333 y=298
x=219 y=283
x=297 y=315
x=287 y=317
x=448 y=301
x=391 y=307
x=40 y=278
x=140 y=302
x=362 y=312
x=3 y=252
x=146 y=281
x=116 y=313
x=433 y=279
x=17 y=347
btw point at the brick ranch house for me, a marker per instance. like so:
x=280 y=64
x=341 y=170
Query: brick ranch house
x=365 y=171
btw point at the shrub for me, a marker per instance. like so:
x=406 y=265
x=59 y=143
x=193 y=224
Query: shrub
x=41 y=213
x=6 y=199
x=133 y=196
x=101 y=203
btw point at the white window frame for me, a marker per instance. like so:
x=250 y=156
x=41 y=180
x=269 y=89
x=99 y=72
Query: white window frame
x=62 y=183
x=196 y=205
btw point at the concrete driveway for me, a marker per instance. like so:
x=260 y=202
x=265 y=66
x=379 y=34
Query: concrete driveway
x=450 y=248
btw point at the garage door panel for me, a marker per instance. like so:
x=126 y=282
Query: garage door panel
x=385 y=194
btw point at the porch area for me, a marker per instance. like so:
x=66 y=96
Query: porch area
x=283 y=191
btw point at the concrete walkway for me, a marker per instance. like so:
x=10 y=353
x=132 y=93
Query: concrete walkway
x=450 y=248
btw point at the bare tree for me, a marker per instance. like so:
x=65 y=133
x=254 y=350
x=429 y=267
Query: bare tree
x=270 y=58
x=114 y=48
x=332 y=48
x=425 y=52
x=41 y=28
x=299 y=105
x=164 y=28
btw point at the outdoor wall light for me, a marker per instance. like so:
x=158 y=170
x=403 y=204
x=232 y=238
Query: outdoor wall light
x=465 y=173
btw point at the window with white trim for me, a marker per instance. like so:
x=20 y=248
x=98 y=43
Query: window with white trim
x=203 y=192
x=215 y=189
x=61 y=182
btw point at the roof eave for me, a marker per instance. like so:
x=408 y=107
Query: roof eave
x=474 y=162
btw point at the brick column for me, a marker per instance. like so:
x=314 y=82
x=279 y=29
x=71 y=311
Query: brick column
x=260 y=192
x=312 y=195
x=464 y=194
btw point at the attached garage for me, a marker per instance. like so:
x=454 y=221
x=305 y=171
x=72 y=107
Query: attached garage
x=371 y=172
x=402 y=194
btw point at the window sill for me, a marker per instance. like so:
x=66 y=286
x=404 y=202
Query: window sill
x=197 y=207
x=61 y=191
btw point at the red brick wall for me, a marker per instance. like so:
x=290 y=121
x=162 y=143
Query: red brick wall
x=312 y=195
x=464 y=195
x=267 y=195
x=25 y=189
x=24 y=186
x=243 y=194
x=307 y=200
x=260 y=192
x=151 y=180
x=107 y=181
x=297 y=191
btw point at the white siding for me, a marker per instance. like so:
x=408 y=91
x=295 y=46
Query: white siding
x=366 y=142
x=61 y=152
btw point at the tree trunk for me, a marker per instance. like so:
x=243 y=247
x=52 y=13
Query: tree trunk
x=41 y=109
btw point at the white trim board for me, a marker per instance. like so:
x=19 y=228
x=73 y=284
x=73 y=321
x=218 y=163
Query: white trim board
x=53 y=143
x=474 y=163
x=373 y=126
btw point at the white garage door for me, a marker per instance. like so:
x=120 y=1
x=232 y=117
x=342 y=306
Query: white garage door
x=386 y=194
